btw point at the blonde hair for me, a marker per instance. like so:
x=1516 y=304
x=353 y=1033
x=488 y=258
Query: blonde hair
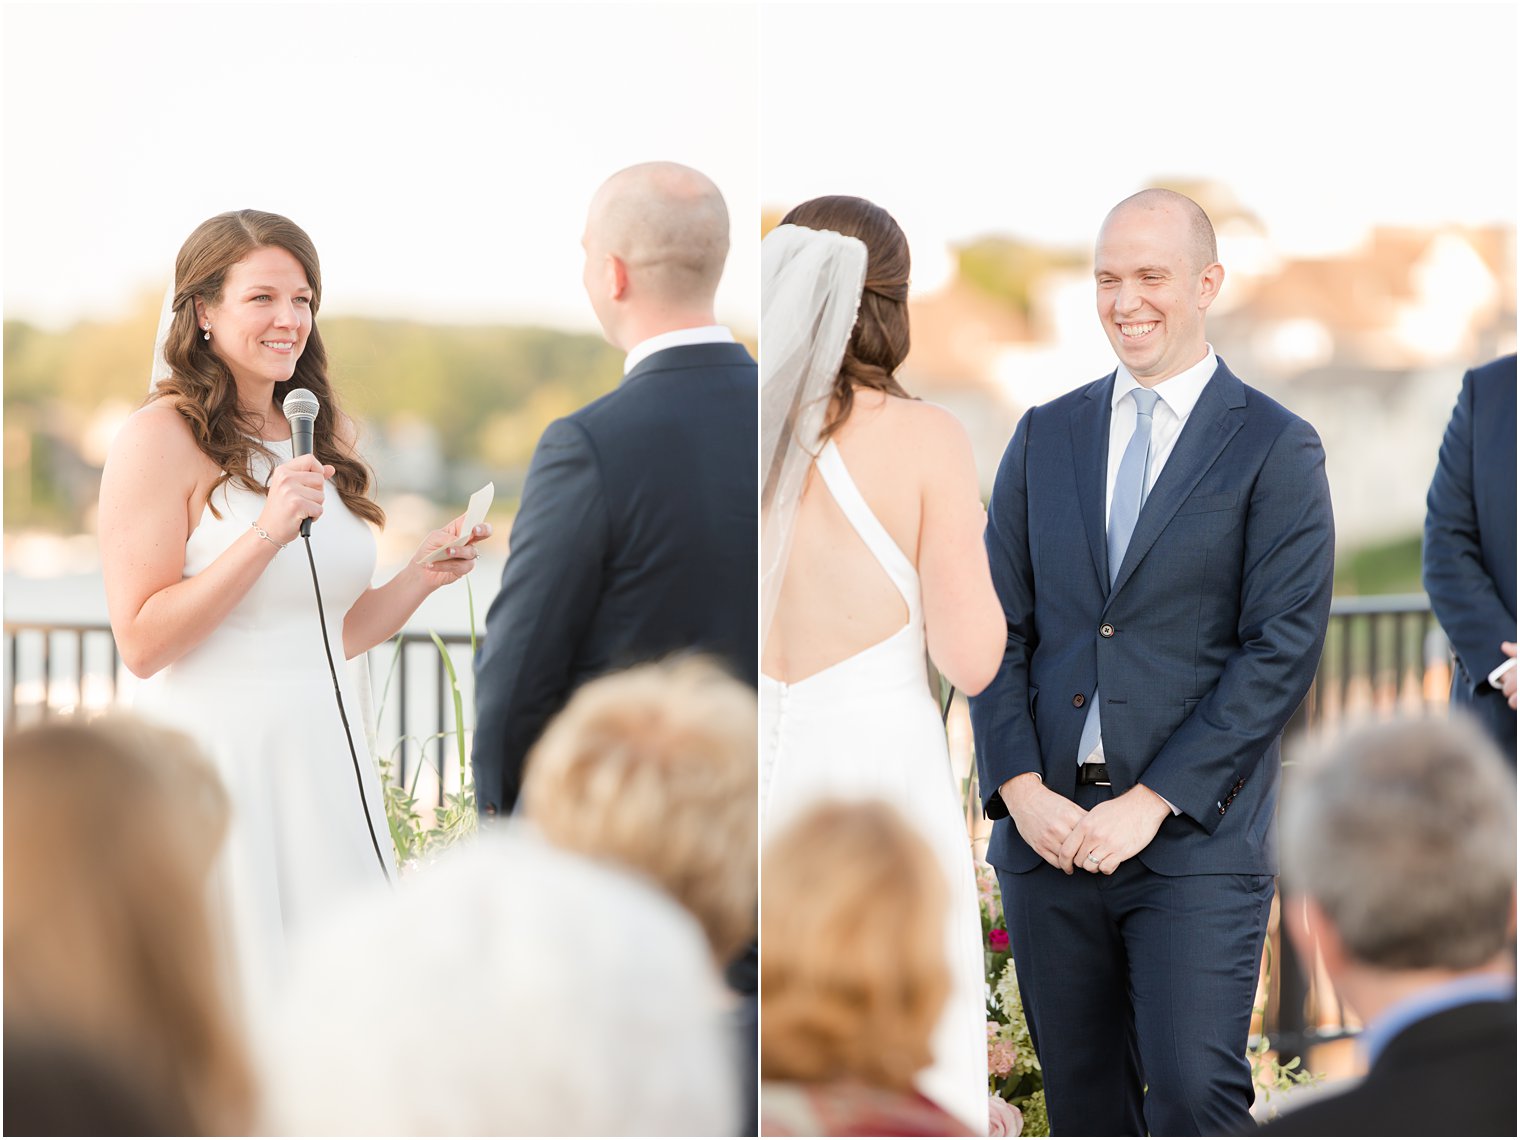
x=655 y=769
x=110 y=832
x=853 y=973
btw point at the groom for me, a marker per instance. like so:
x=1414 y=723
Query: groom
x=1161 y=541
x=636 y=533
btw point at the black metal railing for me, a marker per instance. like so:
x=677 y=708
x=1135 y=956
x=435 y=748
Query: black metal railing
x=59 y=668
x=1383 y=656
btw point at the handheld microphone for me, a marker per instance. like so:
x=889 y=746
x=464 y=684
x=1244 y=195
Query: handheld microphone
x=300 y=408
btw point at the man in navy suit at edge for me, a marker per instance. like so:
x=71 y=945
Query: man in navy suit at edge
x=1469 y=551
x=1129 y=747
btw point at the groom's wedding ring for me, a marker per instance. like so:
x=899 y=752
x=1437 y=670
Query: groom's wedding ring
x=1094 y=858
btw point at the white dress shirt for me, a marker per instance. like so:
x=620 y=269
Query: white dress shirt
x=703 y=334
x=1179 y=394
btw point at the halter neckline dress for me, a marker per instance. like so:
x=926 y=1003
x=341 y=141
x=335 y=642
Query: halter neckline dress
x=868 y=727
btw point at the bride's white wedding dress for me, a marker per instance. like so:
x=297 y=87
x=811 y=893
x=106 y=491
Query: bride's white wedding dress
x=868 y=727
x=258 y=697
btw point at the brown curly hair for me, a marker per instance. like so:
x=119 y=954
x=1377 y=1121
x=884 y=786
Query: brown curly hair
x=879 y=342
x=853 y=972
x=201 y=387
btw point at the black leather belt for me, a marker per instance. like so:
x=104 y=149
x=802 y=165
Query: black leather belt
x=1093 y=774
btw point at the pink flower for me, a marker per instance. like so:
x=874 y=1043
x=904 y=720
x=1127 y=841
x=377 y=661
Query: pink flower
x=1001 y=1053
x=997 y=938
x=1003 y=1119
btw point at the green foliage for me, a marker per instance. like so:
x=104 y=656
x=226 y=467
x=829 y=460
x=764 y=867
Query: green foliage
x=1270 y=1074
x=1010 y=270
x=401 y=814
x=453 y=820
x=1381 y=568
x=487 y=391
x=1036 y=1116
x=469 y=382
x=458 y=701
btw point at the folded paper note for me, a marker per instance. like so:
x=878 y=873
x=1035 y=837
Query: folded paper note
x=474 y=515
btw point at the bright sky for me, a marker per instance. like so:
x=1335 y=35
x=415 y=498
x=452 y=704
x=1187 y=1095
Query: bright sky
x=441 y=155
x=1034 y=119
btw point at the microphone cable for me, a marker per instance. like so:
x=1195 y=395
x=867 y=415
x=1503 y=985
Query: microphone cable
x=300 y=408
x=338 y=693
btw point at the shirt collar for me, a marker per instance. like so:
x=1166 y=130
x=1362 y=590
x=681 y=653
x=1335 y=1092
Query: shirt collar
x=1427 y=1002
x=704 y=334
x=1179 y=392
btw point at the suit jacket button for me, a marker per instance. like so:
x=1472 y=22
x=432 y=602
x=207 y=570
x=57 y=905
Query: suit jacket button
x=1105 y=630
x=1078 y=701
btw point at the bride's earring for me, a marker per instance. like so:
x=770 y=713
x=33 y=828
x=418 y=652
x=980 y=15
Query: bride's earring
x=206 y=335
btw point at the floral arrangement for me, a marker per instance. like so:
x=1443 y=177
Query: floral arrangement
x=1015 y=1082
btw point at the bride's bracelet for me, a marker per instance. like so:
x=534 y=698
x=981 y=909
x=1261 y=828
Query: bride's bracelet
x=266 y=536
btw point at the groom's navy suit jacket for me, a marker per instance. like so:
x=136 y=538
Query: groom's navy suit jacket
x=636 y=538
x=1201 y=650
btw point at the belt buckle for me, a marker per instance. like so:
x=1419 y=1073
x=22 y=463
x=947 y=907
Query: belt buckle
x=1096 y=782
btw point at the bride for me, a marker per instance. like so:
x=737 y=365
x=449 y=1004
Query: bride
x=871 y=554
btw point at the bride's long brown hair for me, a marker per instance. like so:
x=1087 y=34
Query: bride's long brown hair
x=879 y=341
x=201 y=386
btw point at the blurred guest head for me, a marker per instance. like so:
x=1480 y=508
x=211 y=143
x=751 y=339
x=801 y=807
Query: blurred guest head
x=853 y=973
x=1401 y=839
x=656 y=239
x=510 y=988
x=655 y=769
x=879 y=343
x=110 y=832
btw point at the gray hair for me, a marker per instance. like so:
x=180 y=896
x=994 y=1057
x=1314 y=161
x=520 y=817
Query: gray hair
x=1404 y=834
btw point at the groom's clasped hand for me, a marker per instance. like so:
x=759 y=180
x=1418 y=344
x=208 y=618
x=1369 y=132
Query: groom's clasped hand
x=1069 y=838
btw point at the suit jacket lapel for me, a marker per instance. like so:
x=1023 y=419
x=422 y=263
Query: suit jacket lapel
x=1215 y=420
x=1089 y=445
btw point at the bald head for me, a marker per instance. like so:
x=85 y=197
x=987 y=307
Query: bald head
x=668 y=225
x=1194 y=225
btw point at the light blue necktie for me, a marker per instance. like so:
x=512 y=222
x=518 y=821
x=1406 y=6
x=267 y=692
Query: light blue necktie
x=1129 y=494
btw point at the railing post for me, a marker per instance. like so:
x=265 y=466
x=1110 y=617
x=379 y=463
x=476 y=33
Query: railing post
x=1292 y=1034
x=11 y=658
